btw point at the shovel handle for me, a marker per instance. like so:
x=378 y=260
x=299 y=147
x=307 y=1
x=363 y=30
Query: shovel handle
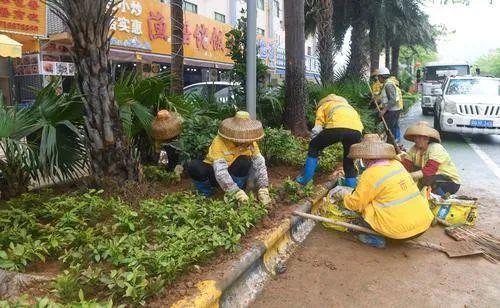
x=336 y=222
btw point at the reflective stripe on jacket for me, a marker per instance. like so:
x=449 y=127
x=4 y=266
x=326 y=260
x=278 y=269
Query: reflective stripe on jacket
x=392 y=103
x=229 y=151
x=389 y=200
x=438 y=153
x=335 y=112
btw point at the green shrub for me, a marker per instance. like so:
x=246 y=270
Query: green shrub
x=160 y=174
x=197 y=135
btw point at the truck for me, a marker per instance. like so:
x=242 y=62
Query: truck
x=435 y=74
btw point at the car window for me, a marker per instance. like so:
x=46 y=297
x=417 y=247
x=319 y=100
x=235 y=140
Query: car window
x=198 y=90
x=473 y=87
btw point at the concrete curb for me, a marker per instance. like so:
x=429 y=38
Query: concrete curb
x=245 y=278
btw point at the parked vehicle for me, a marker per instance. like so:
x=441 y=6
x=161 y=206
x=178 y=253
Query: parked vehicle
x=435 y=74
x=468 y=105
x=221 y=90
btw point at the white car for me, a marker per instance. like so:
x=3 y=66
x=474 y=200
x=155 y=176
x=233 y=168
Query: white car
x=221 y=90
x=468 y=105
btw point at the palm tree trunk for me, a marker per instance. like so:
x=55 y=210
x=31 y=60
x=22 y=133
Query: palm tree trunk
x=358 y=61
x=295 y=117
x=387 y=54
x=375 y=47
x=325 y=41
x=177 y=20
x=110 y=154
x=395 y=59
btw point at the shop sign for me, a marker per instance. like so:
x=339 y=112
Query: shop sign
x=27 y=65
x=267 y=51
x=146 y=25
x=22 y=16
x=57 y=68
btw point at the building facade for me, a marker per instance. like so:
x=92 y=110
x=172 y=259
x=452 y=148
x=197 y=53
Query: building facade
x=142 y=42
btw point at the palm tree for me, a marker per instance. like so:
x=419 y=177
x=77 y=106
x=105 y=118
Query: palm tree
x=89 y=23
x=358 y=55
x=295 y=95
x=177 y=47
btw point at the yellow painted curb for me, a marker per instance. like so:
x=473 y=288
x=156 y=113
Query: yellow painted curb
x=208 y=296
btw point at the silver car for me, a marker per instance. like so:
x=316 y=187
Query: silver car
x=468 y=104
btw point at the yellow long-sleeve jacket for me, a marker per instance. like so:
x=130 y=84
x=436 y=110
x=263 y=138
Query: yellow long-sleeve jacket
x=390 y=201
x=335 y=112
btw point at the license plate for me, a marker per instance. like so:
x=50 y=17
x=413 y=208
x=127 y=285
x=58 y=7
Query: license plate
x=481 y=123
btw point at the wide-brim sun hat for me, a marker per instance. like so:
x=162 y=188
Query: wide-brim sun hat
x=166 y=125
x=422 y=128
x=372 y=147
x=374 y=73
x=241 y=128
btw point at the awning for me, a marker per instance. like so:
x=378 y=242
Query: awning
x=9 y=47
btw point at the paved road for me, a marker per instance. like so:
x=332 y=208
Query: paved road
x=332 y=269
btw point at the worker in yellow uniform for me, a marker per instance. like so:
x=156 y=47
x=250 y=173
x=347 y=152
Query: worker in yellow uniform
x=230 y=156
x=429 y=162
x=391 y=100
x=376 y=87
x=386 y=196
x=336 y=121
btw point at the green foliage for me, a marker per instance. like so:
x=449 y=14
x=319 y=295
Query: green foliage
x=490 y=63
x=280 y=147
x=111 y=250
x=295 y=191
x=160 y=174
x=197 y=135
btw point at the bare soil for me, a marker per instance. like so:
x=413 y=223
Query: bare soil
x=333 y=269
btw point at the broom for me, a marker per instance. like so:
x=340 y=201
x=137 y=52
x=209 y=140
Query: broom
x=489 y=244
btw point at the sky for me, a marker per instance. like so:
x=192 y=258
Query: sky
x=474 y=28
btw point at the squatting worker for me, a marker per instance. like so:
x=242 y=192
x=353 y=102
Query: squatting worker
x=391 y=101
x=336 y=121
x=230 y=156
x=386 y=196
x=165 y=129
x=429 y=162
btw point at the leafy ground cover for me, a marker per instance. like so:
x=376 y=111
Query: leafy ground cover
x=113 y=250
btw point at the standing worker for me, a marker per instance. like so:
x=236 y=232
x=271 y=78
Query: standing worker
x=429 y=162
x=230 y=156
x=391 y=100
x=386 y=196
x=376 y=87
x=336 y=121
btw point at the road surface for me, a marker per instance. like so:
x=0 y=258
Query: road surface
x=332 y=269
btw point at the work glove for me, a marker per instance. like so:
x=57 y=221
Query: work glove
x=417 y=175
x=241 y=196
x=339 y=192
x=315 y=131
x=178 y=170
x=264 y=196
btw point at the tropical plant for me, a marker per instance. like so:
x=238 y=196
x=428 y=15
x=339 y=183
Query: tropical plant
x=295 y=96
x=41 y=141
x=89 y=23
x=490 y=63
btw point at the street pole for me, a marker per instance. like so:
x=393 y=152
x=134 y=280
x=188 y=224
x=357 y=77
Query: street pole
x=251 y=89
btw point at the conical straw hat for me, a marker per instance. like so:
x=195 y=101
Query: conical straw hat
x=166 y=125
x=422 y=128
x=372 y=147
x=241 y=129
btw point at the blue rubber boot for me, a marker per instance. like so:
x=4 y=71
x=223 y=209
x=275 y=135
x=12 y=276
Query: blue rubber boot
x=372 y=240
x=351 y=182
x=310 y=168
x=204 y=188
x=240 y=181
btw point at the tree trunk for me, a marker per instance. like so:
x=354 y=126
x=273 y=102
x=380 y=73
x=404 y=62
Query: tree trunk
x=375 y=47
x=177 y=20
x=295 y=96
x=358 y=61
x=109 y=152
x=395 y=60
x=325 y=41
x=387 y=54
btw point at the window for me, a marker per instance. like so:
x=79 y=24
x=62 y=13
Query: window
x=260 y=4
x=261 y=31
x=220 y=17
x=277 y=8
x=309 y=51
x=190 y=7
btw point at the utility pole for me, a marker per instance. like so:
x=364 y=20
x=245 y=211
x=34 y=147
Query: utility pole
x=251 y=89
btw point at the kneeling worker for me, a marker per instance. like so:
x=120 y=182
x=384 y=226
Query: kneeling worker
x=232 y=153
x=386 y=196
x=429 y=162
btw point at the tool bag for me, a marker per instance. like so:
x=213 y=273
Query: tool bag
x=335 y=210
x=455 y=211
